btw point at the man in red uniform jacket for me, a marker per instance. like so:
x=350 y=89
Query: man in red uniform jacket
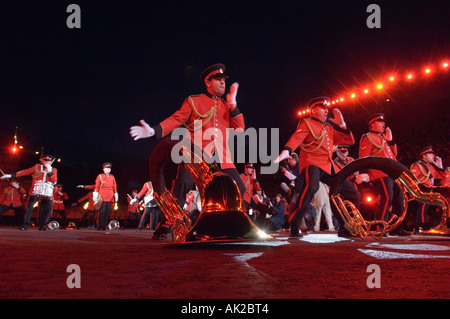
x=379 y=142
x=42 y=185
x=316 y=138
x=12 y=198
x=251 y=184
x=106 y=188
x=427 y=169
x=213 y=116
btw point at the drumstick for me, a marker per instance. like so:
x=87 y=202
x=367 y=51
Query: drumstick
x=2 y=172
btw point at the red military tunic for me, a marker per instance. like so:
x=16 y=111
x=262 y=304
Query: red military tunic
x=12 y=195
x=374 y=144
x=132 y=208
x=426 y=173
x=89 y=197
x=58 y=200
x=38 y=173
x=250 y=185
x=106 y=186
x=215 y=116
x=316 y=140
x=147 y=190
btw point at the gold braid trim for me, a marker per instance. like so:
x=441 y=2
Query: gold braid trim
x=207 y=116
x=380 y=147
x=321 y=137
x=426 y=175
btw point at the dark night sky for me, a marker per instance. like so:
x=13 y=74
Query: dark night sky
x=76 y=92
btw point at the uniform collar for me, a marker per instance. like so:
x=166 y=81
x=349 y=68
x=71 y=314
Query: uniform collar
x=214 y=97
x=317 y=120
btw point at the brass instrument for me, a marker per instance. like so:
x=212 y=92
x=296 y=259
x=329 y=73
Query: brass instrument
x=222 y=216
x=411 y=190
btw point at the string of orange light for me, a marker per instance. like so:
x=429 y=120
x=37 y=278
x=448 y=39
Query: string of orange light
x=390 y=79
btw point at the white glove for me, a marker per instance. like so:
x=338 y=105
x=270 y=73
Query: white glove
x=15 y=185
x=231 y=97
x=142 y=131
x=48 y=167
x=388 y=134
x=362 y=178
x=116 y=197
x=6 y=176
x=95 y=197
x=134 y=200
x=283 y=155
x=80 y=186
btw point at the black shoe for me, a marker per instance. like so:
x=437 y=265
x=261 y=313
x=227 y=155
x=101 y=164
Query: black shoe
x=400 y=233
x=23 y=228
x=296 y=235
x=344 y=232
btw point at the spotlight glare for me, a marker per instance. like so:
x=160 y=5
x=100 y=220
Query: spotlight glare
x=353 y=95
x=428 y=70
x=445 y=64
x=366 y=91
x=392 y=78
x=379 y=86
x=410 y=76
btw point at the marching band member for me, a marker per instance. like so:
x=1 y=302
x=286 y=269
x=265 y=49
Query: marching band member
x=12 y=198
x=214 y=114
x=90 y=210
x=316 y=138
x=427 y=169
x=44 y=178
x=379 y=142
x=133 y=207
x=151 y=209
x=105 y=189
x=251 y=184
x=342 y=159
x=58 y=204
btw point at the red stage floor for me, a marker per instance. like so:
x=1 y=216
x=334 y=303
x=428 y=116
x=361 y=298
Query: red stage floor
x=128 y=264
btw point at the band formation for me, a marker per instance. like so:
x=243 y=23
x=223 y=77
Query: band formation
x=317 y=150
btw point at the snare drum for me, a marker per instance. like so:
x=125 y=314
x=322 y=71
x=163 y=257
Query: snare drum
x=44 y=189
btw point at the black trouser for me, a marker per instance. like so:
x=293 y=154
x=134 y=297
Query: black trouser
x=63 y=215
x=45 y=210
x=90 y=216
x=151 y=213
x=391 y=197
x=18 y=212
x=103 y=215
x=312 y=175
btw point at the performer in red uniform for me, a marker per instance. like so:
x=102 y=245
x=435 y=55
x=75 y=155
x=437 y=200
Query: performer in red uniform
x=133 y=208
x=427 y=169
x=251 y=184
x=342 y=159
x=151 y=208
x=316 y=138
x=214 y=116
x=91 y=209
x=106 y=188
x=379 y=142
x=44 y=178
x=58 y=204
x=13 y=197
